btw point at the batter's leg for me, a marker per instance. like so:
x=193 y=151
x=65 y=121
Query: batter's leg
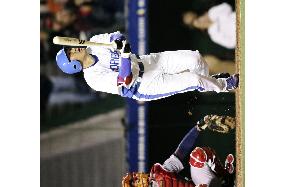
x=183 y=60
x=165 y=85
x=188 y=81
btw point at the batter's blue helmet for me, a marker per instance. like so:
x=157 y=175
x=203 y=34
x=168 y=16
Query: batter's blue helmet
x=66 y=65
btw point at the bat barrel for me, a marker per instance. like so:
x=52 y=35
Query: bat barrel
x=67 y=41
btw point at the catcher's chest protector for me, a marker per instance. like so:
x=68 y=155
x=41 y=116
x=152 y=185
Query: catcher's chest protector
x=162 y=178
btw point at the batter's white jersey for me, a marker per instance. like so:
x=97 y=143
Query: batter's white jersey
x=165 y=74
x=223 y=29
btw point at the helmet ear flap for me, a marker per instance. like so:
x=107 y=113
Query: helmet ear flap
x=65 y=64
x=66 y=50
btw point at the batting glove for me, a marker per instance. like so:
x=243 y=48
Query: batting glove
x=126 y=51
x=119 y=39
x=117 y=36
x=119 y=44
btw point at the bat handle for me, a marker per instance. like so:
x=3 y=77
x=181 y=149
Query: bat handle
x=114 y=45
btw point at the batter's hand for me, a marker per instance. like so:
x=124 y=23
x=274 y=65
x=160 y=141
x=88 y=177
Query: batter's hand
x=117 y=36
x=119 y=44
x=126 y=48
x=119 y=39
x=126 y=51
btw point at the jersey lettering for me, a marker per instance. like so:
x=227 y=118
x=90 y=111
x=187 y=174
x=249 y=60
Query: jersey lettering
x=114 y=60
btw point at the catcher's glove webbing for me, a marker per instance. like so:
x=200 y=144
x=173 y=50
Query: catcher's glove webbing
x=159 y=177
x=136 y=179
x=221 y=124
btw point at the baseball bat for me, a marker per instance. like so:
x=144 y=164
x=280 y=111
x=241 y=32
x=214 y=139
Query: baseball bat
x=75 y=42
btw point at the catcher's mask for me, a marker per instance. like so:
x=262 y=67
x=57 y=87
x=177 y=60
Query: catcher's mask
x=65 y=64
x=198 y=157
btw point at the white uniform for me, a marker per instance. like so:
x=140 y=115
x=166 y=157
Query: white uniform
x=165 y=74
x=173 y=164
x=204 y=175
x=223 y=29
x=211 y=172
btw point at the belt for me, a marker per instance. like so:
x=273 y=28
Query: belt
x=141 y=66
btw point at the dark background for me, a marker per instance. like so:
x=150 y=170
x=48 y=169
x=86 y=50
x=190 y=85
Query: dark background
x=169 y=121
x=167 y=31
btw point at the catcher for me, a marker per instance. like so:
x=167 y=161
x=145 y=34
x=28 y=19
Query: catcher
x=205 y=168
x=144 y=78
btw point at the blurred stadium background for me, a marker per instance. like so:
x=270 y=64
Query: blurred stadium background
x=92 y=139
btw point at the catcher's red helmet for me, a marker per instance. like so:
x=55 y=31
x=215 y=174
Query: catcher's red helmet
x=198 y=157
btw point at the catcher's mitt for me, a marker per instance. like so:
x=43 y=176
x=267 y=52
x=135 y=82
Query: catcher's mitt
x=135 y=179
x=221 y=124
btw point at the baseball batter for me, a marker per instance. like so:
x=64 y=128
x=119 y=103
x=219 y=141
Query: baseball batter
x=144 y=78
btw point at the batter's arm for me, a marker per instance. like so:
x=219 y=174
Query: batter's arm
x=102 y=79
x=107 y=37
x=125 y=75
